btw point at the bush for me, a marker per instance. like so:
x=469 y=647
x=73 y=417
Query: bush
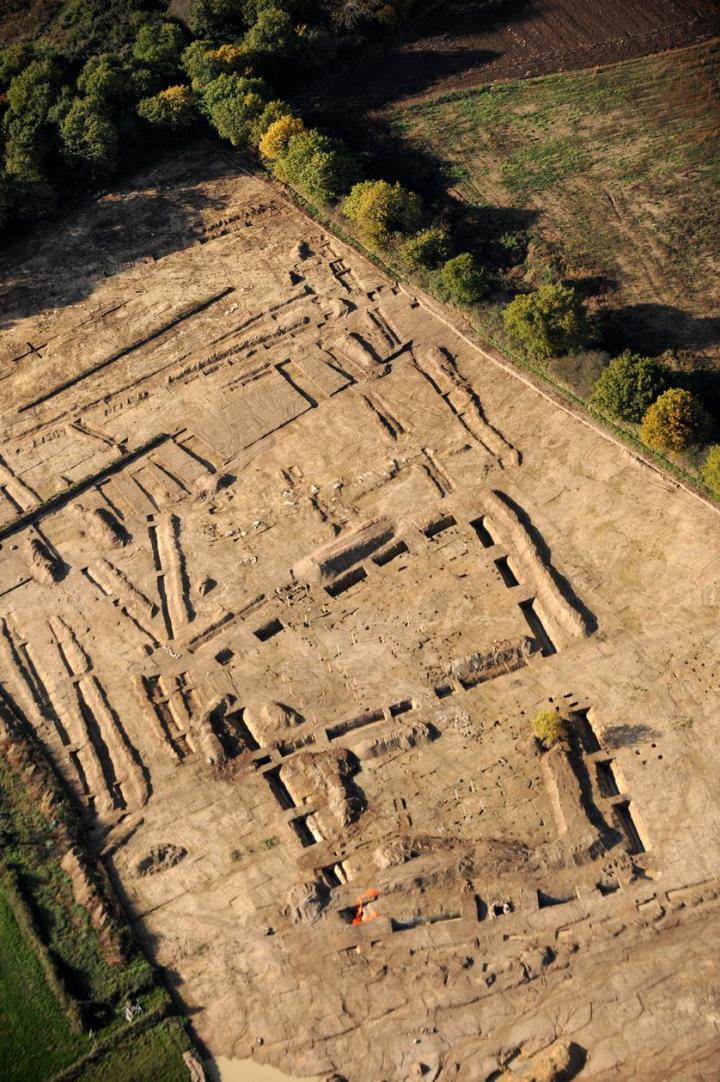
x=317 y=165
x=426 y=250
x=710 y=470
x=382 y=211
x=548 y=728
x=173 y=107
x=675 y=421
x=628 y=386
x=549 y=321
x=461 y=281
x=277 y=136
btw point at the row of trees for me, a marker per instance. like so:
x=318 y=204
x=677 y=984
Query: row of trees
x=93 y=99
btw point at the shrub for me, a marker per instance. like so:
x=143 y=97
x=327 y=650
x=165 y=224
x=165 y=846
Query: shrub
x=548 y=728
x=710 y=470
x=461 y=280
x=549 y=321
x=382 y=211
x=675 y=421
x=426 y=250
x=317 y=165
x=276 y=137
x=173 y=107
x=13 y=58
x=628 y=385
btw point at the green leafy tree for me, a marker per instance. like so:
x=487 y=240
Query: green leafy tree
x=90 y=139
x=105 y=80
x=426 y=250
x=278 y=134
x=710 y=470
x=318 y=166
x=628 y=385
x=674 y=422
x=234 y=106
x=548 y=728
x=160 y=46
x=550 y=321
x=202 y=62
x=462 y=280
x=173 y=107
x=95 y=26
x=383 y=212
x=216 y=19
x=30 y=136
x=14 y=59
x=271 y=33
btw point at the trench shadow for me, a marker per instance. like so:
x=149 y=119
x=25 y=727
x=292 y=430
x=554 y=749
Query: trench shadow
x=546 y=555
x=142 y=219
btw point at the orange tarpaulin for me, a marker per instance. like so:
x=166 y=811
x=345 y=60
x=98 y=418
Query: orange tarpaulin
x=362 y=915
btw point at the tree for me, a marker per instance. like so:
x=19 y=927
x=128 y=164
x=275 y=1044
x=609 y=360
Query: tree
x=277 y=136
x=89 y=139
x=216 y=19
x=203 y=63
x=628 y=385
x=160 y=46
x=13 y=59
x=674 y=422
x=382 y=211
x=318 y=166
x=272 y=112
x=271 y=33
x=426 y=250
x=710 y=471
x=29 y=133
x=550 y=321
x=173 y=107
x=548 y=728
x=235 y=105
x=106 y=81
x=461 y=280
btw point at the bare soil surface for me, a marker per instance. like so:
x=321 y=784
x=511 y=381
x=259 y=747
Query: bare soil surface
x=462 y=43
x=287 y=566
x=23 y=20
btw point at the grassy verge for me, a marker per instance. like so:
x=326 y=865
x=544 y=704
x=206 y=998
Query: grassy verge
x=37 y=1037
x=64 y=979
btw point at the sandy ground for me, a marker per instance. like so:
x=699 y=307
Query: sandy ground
x=287 y=566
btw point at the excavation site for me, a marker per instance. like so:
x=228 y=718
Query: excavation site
x=290 y=566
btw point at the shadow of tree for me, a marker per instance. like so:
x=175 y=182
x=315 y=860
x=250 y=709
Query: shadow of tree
x=624 y=736
x=155 y=213
x=419 y=56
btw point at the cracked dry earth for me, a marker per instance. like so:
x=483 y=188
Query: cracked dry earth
x=288 y=565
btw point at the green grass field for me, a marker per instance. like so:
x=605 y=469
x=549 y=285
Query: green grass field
x=622 y=167
x=37 y=1039
x=63 y=991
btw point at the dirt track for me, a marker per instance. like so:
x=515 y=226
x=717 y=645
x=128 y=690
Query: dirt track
x=463 y=43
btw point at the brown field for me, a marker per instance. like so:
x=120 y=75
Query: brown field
x=23 y=20
x=287 y=566
x=464 y=43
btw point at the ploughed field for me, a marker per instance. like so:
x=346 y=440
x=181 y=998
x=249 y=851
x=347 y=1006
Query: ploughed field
x=287 y=566
x=465 y=43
